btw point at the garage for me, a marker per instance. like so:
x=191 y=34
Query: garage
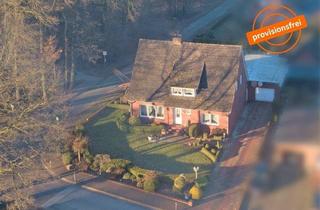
x=266 y=75
x=264 y=94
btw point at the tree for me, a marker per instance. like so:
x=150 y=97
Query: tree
x=29 y=95
x=79 y=146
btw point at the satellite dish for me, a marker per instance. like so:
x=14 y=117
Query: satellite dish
x=260 y=84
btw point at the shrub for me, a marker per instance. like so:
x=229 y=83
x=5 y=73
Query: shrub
x=126 y=176
x=202 y=181
x=140 y=183
x=88 y=158
x=205 y=131
x=217 y=138
x=133 y=178
x=219 y=131
x=134 y=121
x=79 y=129
x=138 y=172
x=100 y=159
x=194 y=130
x=208 y=154
x=150 y=185
x=179 y=183
x=119 y=163
x=151 y=182
x=195 y=192
x=67 y=158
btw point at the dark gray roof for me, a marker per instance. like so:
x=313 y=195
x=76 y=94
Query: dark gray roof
x=160 y=65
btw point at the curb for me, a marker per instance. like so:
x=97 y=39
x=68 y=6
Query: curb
x=114 y=195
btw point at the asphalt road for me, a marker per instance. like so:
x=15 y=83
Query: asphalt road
x=74 y=197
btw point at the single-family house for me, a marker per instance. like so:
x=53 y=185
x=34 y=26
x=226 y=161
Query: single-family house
x=180 y=83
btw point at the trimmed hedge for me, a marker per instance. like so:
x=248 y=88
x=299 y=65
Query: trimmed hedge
x=211 y=156
x=126 y=176
x=179 y=183
x=151 y=182
x=138 y=172
x=194 y=130
x=195 y=192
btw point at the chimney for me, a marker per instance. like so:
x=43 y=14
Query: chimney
x=177 y=40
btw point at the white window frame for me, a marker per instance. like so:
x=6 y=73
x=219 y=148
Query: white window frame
x=156 y=111
x=175 y=91
x=211 y=115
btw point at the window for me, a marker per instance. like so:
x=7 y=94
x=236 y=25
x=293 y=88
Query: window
x=160 y=112
x=210 y=119
x=190 y=92
x=176 y=91
x=143 y=110
x=151 y=111
x=240 y=79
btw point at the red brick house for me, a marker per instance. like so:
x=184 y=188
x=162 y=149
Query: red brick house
x=178 y=83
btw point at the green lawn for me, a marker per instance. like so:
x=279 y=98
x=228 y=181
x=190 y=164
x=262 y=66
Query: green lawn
x=171 y=158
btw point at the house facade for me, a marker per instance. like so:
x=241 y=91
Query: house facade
x=180 y=83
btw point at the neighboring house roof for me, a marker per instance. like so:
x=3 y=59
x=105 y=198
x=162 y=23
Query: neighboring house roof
x=266 y=68
x=160 y=65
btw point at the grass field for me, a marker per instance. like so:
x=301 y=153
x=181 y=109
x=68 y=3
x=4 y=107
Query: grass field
x=170 y=158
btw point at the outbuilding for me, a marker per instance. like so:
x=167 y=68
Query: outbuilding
x=266 y=75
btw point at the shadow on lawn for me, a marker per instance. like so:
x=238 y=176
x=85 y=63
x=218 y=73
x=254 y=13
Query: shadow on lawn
x=107 y=138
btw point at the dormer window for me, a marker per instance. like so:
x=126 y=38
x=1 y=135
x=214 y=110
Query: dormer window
x=188 y=92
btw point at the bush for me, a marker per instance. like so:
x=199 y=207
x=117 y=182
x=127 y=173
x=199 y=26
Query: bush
x=151 y=182
x=195 y=192
x=140 y=183
x=88 y=157
x=205 y=130
x=79 y=130
x=138 y=172
x=219 y=131
x=217 y=138
x=208 y=154
x=126 y=176
x=150 y=185
x=100 y=159
x=179 y=183
x=194 y=130
x=67 y=158
x=134 y=121
x=202 y=181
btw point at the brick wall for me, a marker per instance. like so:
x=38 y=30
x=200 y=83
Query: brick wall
x=193 y=117
x=240 y=98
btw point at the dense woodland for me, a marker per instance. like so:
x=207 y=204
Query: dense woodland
x=41 y=44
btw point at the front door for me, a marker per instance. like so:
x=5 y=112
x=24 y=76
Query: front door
x=177 y=116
